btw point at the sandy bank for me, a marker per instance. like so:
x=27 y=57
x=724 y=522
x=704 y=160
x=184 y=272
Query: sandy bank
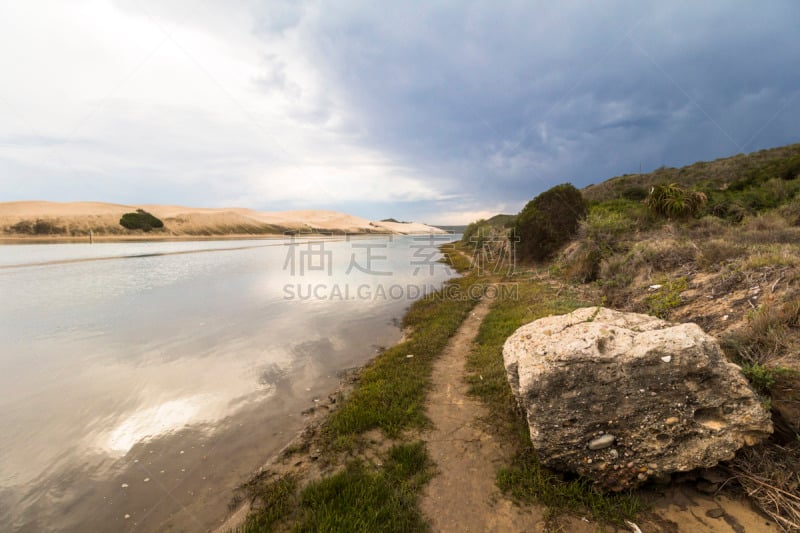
x=75 y=220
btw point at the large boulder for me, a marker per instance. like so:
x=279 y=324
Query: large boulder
x=621 y=397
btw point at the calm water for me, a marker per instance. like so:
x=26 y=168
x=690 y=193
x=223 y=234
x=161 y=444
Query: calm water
x=136 y=390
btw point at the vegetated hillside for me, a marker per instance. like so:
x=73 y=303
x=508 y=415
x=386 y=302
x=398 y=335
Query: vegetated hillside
x=494 y=227
x=717 y=244
x=505 y=221
x=721 y=250
x=731 y=172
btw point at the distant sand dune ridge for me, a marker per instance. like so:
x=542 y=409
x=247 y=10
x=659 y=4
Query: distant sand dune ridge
x=75 y=219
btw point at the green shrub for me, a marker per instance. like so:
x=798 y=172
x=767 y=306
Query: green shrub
x=602 y=234
x=549 y=221
x=475 y=233
x=723 y=207
x=634 y=193
x=37 y=227
x=762 y=378
x=666 y=298
x=141 y=219
x=673 y=201
x=603 y=225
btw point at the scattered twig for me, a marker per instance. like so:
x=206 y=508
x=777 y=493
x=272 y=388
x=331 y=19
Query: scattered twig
x=634 y=527
x=769 y=474
x=772 y=289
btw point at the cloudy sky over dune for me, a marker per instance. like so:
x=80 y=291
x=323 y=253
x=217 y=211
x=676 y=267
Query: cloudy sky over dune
x=434 y=111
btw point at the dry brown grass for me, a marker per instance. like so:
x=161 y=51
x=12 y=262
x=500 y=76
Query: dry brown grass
x=742 y=285
x=791 y=212
x=771 y=331
x=714 y=254
x=707 y=227
x=772 y=256
x=667 y=254
x=770 y=474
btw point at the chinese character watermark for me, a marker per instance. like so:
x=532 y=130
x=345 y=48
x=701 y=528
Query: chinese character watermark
x=425 y=255
x=493 y=254
x=368 y=269
x=313 y=258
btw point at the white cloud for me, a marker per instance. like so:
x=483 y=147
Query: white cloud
x=175 y=95
x=441 y=112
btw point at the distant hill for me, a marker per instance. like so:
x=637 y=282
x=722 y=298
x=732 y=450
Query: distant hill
x=741 y=171
x=75 y=219
x=453 y=229
x=504 y=221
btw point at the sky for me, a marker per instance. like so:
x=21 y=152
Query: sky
x=440 y=111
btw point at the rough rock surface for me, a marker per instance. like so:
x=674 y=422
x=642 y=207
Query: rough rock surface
x=622 y=397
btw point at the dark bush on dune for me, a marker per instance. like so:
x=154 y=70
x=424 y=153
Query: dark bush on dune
x=141 y=219
x=37 y=227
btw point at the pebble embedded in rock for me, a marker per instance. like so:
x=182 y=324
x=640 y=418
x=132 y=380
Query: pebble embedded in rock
x=601 y=442
x=715 y=513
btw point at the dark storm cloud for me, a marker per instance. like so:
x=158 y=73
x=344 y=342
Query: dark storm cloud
x=502 y=100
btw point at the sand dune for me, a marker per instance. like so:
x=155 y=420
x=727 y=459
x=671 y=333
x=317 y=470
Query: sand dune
x=18 y=219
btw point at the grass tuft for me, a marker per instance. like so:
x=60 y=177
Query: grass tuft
x=666 y=298
x=767 y=335
x=526 y=481
x=272 y=503
x=360 y=498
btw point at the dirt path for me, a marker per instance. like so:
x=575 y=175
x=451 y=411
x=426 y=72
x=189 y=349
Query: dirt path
x=463 y=496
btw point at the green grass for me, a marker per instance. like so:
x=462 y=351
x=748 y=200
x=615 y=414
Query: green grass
x=524 y=478
x=666 y=298
x=390 y=395
x=272 y=502
x=528 y=481
x=361 y=498
x=391 y=390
